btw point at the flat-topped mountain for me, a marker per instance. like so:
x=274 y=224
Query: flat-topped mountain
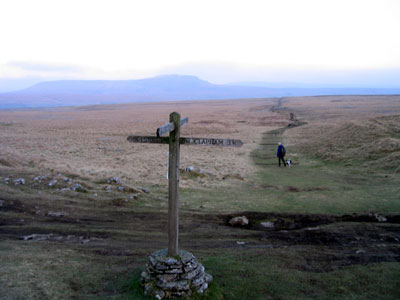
x=160 y=88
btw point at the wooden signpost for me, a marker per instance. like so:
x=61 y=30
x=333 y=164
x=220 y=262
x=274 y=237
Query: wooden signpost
x=174 y=140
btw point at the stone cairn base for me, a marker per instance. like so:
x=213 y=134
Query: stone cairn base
x=170 y=277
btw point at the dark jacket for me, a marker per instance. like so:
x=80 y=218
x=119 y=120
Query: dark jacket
x=281 y=151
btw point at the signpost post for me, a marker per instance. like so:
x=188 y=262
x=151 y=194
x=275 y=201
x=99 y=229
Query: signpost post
x=174 y=140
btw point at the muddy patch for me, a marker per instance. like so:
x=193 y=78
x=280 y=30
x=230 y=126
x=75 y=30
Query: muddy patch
x=274 y=221
x=327 y=242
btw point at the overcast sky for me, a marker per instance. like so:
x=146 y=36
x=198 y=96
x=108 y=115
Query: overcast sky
x=221 y=41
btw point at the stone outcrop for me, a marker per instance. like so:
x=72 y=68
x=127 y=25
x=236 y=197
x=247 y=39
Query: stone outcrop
x=169 y=277
x=239 y=221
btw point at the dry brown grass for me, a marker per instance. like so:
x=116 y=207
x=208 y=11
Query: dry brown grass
x=91 y=141
x=363 y=129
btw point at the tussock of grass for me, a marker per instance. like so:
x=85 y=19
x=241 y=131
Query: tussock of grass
x=374 y=143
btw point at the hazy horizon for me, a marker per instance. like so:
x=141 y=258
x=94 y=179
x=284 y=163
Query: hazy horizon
x=231 y=74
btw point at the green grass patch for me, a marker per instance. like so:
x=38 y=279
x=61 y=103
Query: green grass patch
x=259 y=275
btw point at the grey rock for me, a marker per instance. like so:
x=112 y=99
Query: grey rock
x=160 y=267
x=167 y=277
x=241 y=221
x=77 y=187
x=145 y=277
x=133 y=197
x=380 y=218
x=174 y=271
x=190 y=275
x=53 y=182
x=186 y=256
x=39 y=178
x=177 y=294
x=57 y=214
x=36 y=237
x=65 y=190
x=190 y=267
x=148 y=289
x=68 y=180
x=120 y=188
x=19 y=181
x=114 y=180
x=208 y=277
x=1 y=203
x=145 y=190
x=199 y=280
x=107 y=187
x=181 y=285
x=159 y=294
x=152 y=260
x=203 y=287
x=267 y=224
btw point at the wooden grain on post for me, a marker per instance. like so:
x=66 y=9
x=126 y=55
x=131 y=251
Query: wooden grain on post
x=173 y=192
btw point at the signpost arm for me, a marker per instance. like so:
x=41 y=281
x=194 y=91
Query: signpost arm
x=173 y=185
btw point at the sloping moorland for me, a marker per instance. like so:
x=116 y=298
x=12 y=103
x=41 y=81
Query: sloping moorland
x=326 y=228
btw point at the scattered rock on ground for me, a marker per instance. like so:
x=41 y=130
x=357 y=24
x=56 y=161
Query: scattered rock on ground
x=59 y=238
x=40 y=178
x=68 y=180
x=19 y=181
x=114 y=180
x=239 y=221
x=36 y=237
x=145 y=190
x=267 y=224
x=53 y=182
x=77 y=187
x=380 y=218
x=57 y=214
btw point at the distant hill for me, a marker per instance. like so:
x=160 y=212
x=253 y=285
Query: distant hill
x=160 y=88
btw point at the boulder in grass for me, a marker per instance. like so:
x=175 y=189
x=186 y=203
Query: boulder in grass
x=114 y=180
x=239 y=221
x=267 y=224
x=19 y=181
x=53 y=182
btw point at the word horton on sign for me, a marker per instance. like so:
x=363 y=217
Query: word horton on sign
x=174 y=140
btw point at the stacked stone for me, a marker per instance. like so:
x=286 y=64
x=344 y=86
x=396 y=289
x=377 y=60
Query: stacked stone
x=170 y=277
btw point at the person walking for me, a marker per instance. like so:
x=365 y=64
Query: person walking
x=281 y=154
